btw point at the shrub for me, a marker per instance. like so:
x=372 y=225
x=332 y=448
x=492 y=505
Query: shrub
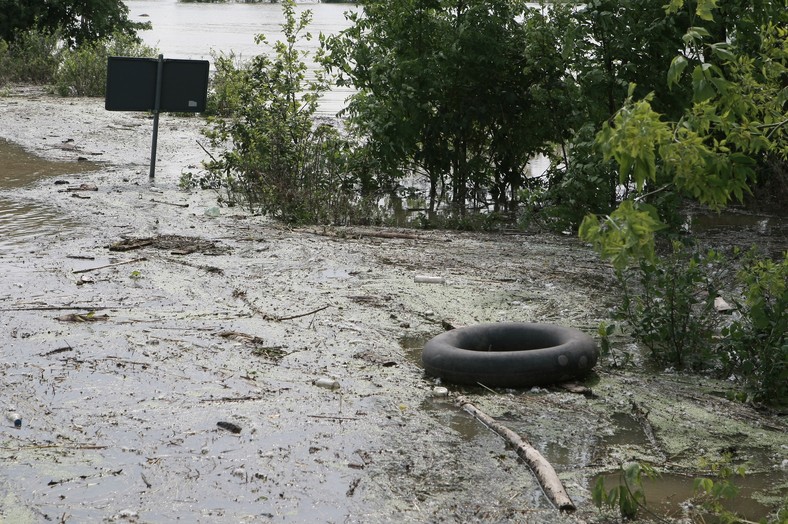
x=668 y=303
x=278 y=162
x=756 y=349
x=5 y=63
x=84 y=70
x=33 y=56
x=226 y=84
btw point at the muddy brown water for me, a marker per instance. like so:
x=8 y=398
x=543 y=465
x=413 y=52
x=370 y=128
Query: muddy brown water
x=22 y=220
x=667 y=493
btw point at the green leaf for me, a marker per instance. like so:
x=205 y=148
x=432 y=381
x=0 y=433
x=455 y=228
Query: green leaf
x=723 y=51
x=694 y=35
x=703 y=484
x=673 y=6
x=705 y=7
x=702 y=88
x=599 y=495
x=677 y=66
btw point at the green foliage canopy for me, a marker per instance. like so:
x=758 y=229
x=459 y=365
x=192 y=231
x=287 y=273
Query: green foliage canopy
x=735 y=120
x=463 y=92
x=79 y=21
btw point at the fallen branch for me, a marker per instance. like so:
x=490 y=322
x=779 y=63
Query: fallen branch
x=53 y=446
x=168 y=203
x=56 y=351
x=544 y=472
x=57 y=308
x=206 y=151
x=291 y=317
x=232 y=399
x=85 y=477
x=82 y=317
x=354 y=233
x=108 y=265
x=334 y=417
x=209 y=269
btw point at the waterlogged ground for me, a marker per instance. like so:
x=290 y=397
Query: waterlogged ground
x=123 y=373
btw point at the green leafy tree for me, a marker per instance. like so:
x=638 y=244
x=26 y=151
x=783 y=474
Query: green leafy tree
x=611 y=46
x=456 y=91
x=78 y=21
x=735 y=121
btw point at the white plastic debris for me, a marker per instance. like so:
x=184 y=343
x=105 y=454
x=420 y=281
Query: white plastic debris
x=15 y=418
x=721 y=306
x=440 y=391
x=327 y=383
x=428 y=279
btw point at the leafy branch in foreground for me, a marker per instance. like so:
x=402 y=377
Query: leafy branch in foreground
x=628 y=498
x=713 y=152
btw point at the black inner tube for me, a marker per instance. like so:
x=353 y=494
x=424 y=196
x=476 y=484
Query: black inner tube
x=510 y=354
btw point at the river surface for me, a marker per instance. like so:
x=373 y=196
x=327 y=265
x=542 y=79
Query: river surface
x=198 y=30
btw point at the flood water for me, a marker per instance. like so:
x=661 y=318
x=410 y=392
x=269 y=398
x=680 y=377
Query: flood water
x=22 y=221
x=196 y=30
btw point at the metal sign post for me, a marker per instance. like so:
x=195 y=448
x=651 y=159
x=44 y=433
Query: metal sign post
x=156 y=85
x=156 y=106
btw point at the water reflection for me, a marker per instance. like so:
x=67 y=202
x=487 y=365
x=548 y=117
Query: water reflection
x=23 y=221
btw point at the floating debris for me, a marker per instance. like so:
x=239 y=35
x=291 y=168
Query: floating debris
x=229 y=426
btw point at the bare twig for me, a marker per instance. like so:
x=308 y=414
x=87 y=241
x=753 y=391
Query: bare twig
x=52 y=446
x=56 y=308
x=291 y=317
x=109 y=265
x=168 y=203
x=56 y=351
x=333 y=417
x=206 y=151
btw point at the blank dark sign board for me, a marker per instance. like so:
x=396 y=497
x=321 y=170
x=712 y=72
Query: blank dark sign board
x=158 y=85
x=131 y=85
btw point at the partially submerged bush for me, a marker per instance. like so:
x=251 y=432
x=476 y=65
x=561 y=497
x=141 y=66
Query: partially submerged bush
x=668 y=303
x=275 y=159
x=755 y=348
x=33 y=57
x=84 y=69
x=668 y=306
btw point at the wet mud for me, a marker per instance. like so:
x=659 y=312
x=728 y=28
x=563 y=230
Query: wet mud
x=180 y=377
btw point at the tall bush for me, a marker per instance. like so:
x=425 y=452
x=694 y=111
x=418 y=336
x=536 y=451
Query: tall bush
x=668 y=304
x=274 y=158
x=755 y=349
x=33 y=56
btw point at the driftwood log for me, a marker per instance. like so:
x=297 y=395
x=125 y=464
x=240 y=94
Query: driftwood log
x=543 y=470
